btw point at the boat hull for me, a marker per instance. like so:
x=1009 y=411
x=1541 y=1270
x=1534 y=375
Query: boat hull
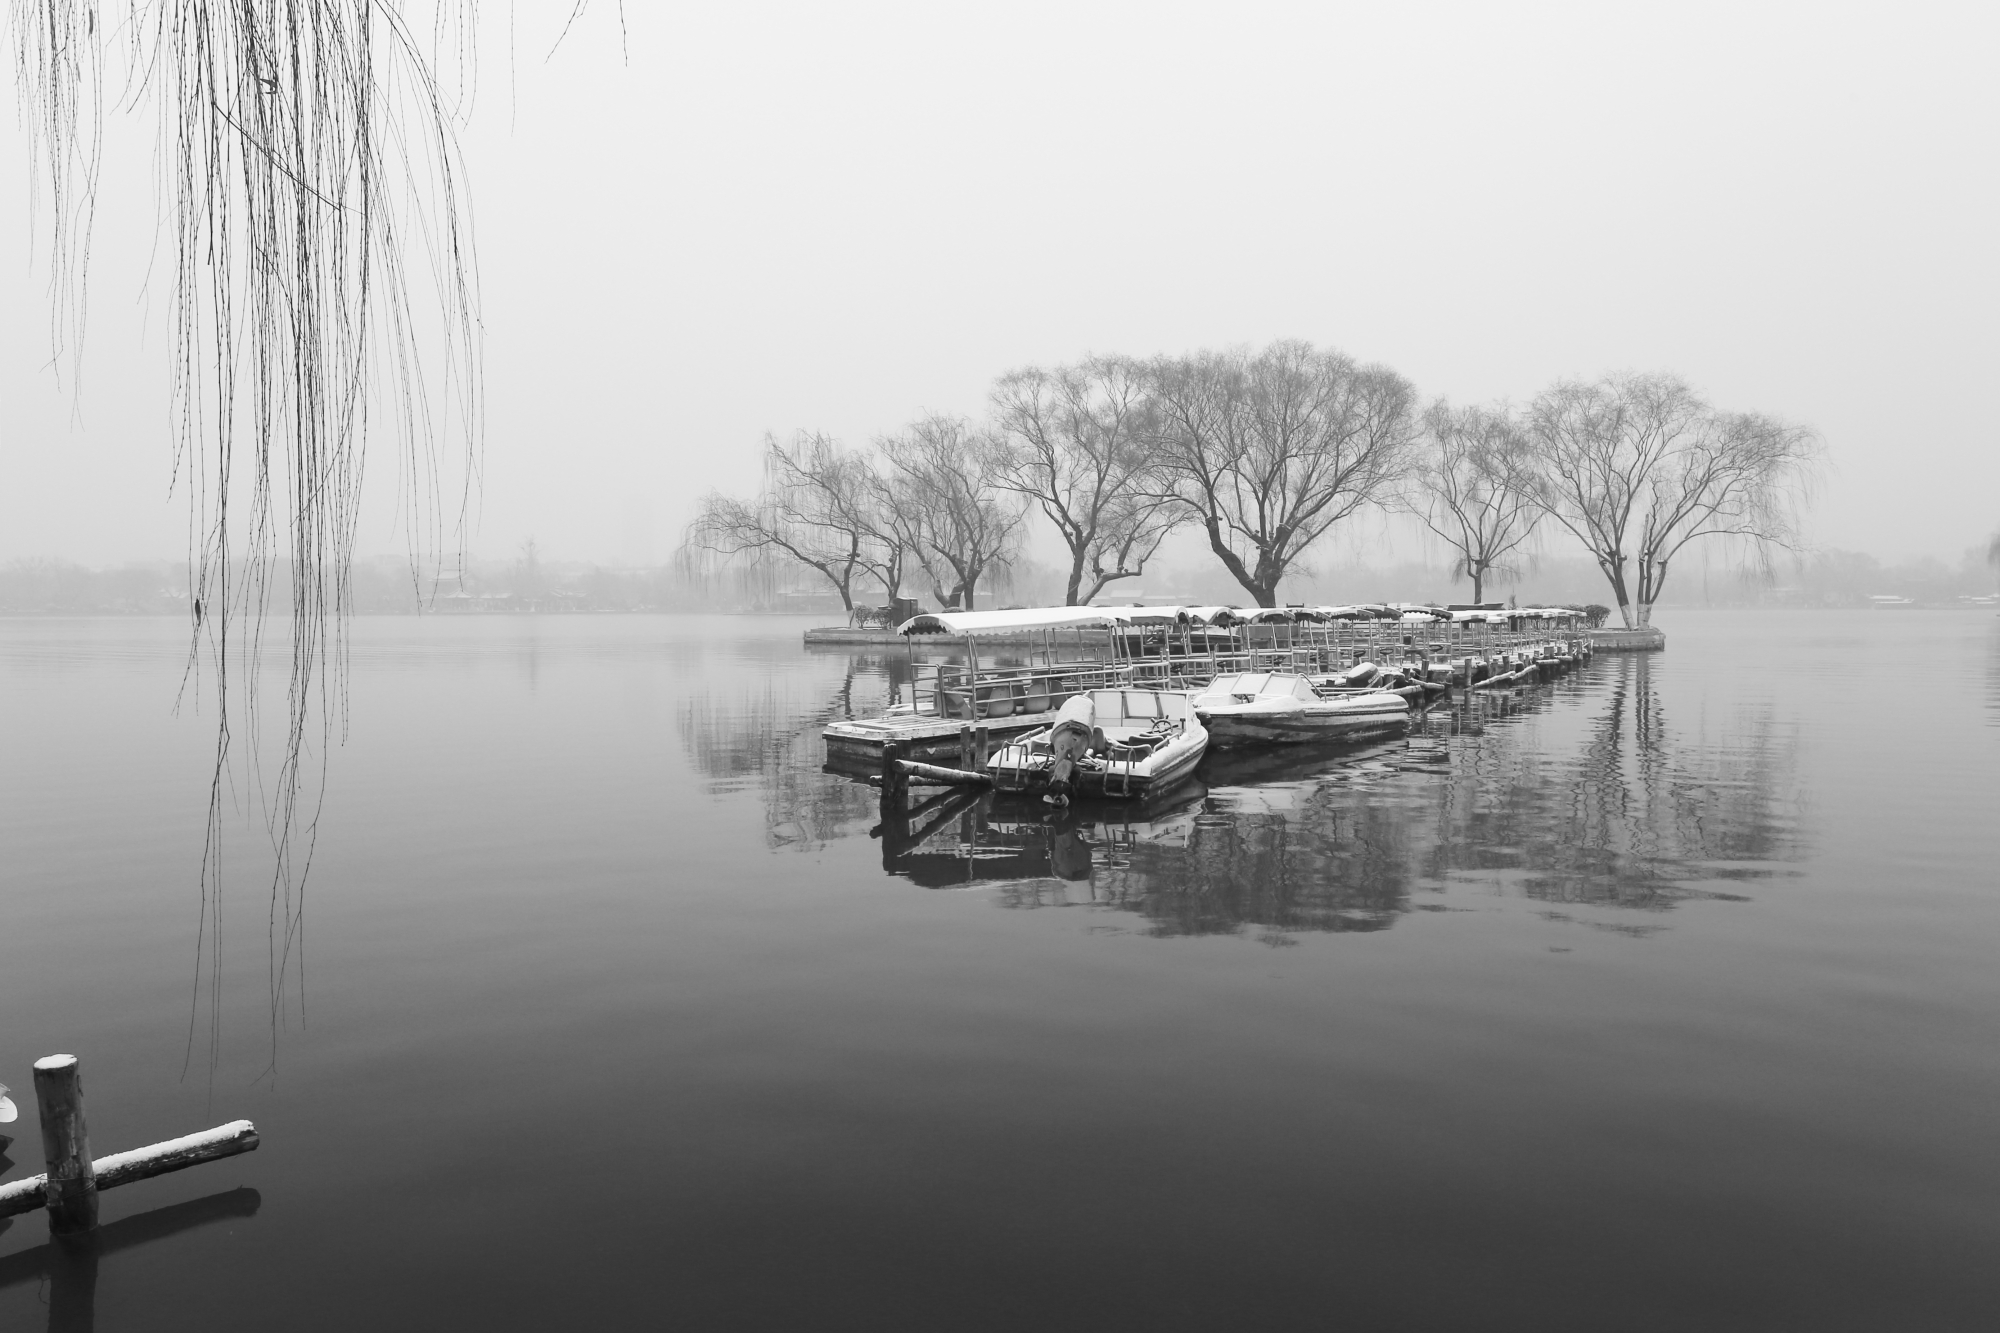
x=1226 y=729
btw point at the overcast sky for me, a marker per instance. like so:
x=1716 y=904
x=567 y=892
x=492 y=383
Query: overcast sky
x=833 y=216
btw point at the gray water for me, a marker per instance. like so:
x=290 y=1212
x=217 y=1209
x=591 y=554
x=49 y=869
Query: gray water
x=1663 y=997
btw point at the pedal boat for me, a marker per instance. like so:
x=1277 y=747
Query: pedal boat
x=1280 y=708
x=1115 y=743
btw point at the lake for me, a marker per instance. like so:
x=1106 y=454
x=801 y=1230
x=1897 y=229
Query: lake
x=1666 y=996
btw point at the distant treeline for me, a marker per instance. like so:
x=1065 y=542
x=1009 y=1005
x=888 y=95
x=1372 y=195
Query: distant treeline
x=391 y=586
x=529 y=584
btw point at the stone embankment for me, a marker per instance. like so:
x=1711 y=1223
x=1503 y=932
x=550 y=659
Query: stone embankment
x=1648 y=640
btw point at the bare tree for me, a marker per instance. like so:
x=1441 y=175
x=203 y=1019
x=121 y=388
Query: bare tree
x=819 y=508
x=1638 y=466
x=939 y=500
x=1270 y=451
x=1073 y=442
x=1475 y=487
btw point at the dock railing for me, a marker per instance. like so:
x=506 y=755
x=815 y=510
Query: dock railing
x=946 y=690
x=954 y=690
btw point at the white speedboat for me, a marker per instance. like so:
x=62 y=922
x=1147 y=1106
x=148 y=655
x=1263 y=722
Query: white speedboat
x=1119 y=743
x=1278 y=707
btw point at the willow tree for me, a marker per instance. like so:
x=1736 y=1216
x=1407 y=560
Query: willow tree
x=1270 y=451
x=310 y=185
x=938 y=494
x=1638 y=467
x=820 y=509
x=1075 y=443
x=1475 y=487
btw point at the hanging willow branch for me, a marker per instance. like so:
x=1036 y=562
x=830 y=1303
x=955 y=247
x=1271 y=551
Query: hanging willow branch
x=307 y=156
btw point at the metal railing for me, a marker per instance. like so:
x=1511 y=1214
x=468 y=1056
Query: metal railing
x=952 y=690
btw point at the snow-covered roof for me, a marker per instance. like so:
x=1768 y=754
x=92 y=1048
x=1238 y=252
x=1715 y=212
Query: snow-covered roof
x=1143 y=615
x=1021 y=621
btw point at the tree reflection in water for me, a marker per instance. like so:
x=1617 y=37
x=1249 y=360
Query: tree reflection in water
x=1623 y=810
x=1579 y=793
x=1993 y=677
x=763 y=734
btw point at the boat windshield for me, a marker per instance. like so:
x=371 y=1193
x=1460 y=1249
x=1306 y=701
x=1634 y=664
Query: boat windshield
x=1118 y=708
x=1262 y=684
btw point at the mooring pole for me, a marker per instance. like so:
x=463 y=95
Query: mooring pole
x=892 y=774
x=72 y=1180
x=965 y=746
x=980 y=740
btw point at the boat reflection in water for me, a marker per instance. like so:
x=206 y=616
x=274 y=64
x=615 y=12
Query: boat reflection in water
x=1578 y=796
x=1195 y=860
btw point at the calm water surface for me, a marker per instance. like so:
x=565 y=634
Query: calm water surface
x=1665 y=997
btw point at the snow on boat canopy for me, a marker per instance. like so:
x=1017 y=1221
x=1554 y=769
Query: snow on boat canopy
x=1025 y=620
x=1034 y=619
x=1479 y=616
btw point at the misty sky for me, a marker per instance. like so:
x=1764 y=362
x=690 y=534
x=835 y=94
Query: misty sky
x=833 y=216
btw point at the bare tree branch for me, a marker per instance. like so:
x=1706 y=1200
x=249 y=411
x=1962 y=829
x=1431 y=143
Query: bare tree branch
x=1638 y=466
x=1073 y=442
x=1475 y=487
x=820 y=508
x=938 y=495
x=1270 y=451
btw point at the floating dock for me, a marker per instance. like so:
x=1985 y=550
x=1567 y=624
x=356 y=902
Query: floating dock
x=851 y=636
x=856 y=747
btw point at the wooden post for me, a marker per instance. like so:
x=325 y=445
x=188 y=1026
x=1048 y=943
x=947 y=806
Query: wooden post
x=72 y=1180
x=980 y=738
x=965 y=746
x=892 y=774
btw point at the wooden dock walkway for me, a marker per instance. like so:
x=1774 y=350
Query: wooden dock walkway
x=1007 y=702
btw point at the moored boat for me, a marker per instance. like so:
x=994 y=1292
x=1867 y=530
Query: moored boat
x=1279 y=707
x=1106 y=742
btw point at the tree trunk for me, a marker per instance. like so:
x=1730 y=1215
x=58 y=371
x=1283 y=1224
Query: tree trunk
x=1076 y=558
x=1478 y=582
x=1616 y=574
x=1652 y=577
x=841 y=584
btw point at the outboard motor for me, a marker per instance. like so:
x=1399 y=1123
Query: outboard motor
x=1069 y=740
